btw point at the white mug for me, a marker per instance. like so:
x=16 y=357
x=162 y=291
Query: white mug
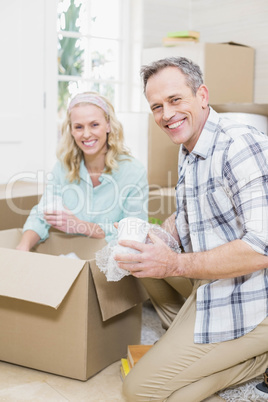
x=131 y=229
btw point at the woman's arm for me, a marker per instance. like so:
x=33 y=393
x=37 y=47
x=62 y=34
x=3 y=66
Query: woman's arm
x=28 y=241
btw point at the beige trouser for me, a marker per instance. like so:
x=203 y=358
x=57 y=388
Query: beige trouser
x=178 y=370
x=167 y=296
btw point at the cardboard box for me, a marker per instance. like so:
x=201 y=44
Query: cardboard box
x=16 y=202
x=253 y=114
x=228 y=68
x=162 y=157
x=59 y=314
x=162 y=203
x=255 y=108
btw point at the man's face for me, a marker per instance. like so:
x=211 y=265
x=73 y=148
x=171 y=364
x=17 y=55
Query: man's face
x=176 y=110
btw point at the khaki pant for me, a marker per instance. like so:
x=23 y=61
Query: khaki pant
x=168 y=296
x=177 y=370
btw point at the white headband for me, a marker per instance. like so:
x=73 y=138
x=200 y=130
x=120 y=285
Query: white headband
x=89 y=98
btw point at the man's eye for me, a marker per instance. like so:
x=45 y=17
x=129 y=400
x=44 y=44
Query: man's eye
x=155 y=108
x=176 y=100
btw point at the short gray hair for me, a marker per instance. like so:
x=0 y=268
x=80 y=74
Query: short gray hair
x=191 y=71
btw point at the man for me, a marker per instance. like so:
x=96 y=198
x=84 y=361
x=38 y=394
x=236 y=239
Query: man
x=219 y=336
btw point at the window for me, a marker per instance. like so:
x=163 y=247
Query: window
x=90 y=49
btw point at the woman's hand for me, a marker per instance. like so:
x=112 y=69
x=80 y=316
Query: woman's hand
x=66 y=222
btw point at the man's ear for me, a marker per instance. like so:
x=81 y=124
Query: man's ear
x=203 y=95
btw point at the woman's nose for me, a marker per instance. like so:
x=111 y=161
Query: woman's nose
x=86 y=133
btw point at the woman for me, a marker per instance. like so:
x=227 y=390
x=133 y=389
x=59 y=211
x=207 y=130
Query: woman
x=95 y=181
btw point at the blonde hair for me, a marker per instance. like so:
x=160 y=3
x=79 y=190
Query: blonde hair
x=71 y=155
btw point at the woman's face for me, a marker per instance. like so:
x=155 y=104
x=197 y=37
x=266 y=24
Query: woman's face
x=89 y=129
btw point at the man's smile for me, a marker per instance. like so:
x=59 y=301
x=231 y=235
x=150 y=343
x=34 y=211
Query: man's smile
x=176 y=125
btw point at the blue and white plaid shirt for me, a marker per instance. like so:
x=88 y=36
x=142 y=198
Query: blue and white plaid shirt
x=222 y=195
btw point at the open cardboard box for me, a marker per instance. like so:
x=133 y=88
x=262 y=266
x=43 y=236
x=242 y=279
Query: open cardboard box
x=59 y=314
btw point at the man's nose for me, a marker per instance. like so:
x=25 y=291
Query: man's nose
x=168 y=111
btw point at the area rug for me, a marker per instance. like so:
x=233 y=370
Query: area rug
x=244 y=393
x=152 y=331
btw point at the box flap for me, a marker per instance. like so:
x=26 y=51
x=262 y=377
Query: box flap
x=234 y=44
x=116 y=297
x=37 y=278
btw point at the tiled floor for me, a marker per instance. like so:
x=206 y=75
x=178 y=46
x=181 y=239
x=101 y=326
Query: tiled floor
x=22 y=384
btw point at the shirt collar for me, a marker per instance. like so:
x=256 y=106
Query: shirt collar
x=206 y=137
x=84 y=175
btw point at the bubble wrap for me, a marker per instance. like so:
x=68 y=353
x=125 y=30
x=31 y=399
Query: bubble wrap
x=105 y=257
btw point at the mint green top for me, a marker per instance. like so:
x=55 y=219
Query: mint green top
x=122 y=193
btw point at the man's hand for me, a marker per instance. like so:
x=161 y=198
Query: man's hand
x=155 y=260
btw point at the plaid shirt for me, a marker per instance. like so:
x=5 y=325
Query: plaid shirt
x=222 y=195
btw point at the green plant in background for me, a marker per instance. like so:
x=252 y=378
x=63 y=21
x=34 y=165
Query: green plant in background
x=70 y=55
x=155 y=221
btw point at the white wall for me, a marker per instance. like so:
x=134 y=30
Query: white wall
x=242 y=21
x=22 y=74
x=162 y=16
x=26 y=128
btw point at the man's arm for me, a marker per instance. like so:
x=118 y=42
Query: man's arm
x=169 y=226
x=157 y=260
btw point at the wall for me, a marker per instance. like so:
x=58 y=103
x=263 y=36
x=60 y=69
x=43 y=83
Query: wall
x=242 y=21
x=161 y=16
x=27 y=103
x=21 y=102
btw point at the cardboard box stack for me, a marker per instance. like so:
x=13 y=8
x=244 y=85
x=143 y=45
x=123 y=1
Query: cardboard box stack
x=228 y=68
x=60 y=314
x=162 y=173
